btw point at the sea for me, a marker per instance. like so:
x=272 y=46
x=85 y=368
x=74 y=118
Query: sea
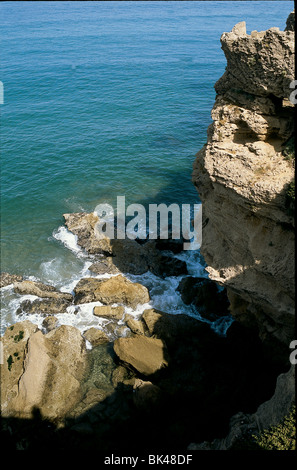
x=101 y=99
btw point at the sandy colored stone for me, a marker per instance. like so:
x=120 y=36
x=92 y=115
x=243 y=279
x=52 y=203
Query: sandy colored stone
x=6 y=279
x=40 y=290
x=107 y=311
x=242 y=178
x=146 y=355
x=115 y=290
x=136 y=326
x=48 y=375
x=96 y=336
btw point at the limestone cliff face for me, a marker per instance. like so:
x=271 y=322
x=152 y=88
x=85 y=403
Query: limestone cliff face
x=243 y=176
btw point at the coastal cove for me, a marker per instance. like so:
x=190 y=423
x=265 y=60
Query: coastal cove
x=125 y=345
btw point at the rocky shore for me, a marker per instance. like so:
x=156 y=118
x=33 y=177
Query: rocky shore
x=152 y=381
x=160 y=381
x=245 y=178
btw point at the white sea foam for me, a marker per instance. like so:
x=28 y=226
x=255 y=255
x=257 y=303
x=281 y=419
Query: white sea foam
x=65 y=275
x=69 y=240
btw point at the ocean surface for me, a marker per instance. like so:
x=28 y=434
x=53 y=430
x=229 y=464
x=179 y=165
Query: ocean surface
x=104 y=99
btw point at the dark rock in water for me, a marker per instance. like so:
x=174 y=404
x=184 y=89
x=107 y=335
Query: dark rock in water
x=45 y=306
x=146 y=395
x=165 y=266
x=6 y=279
x=176 y=246
x=205 y=295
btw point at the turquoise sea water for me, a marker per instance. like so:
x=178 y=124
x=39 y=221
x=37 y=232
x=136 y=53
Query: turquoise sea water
x=104 y=99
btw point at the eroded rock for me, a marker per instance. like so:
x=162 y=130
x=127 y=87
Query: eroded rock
x=117 y=289
x=45 y=306
x=96 y=336
x=40 y=290
x=146 y=355
x=48 y=374
x=6 y=279
x=107 y=311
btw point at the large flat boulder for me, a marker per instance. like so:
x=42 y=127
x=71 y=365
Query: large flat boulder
x=40 y=371
x=146 y=355
x=116 y=290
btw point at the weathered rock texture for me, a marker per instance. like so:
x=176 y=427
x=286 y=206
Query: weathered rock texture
x=116 y=289
x=243 y=174
x=242 y=178
x=123 y=256
x=41 y=371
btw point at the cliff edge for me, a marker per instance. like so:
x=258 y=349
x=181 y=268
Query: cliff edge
x=244 y=175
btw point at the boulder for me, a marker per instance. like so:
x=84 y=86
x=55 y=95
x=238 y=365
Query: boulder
x=83 y=225
x=146 y=395
x=204 y=295
x=121 y=375
x=45 y=306
x=6 y=279
x=171 y=328
x=146 y=355
x=117 y=289
x=95 y=336
x=136 y=326
x=107 y=311
x=104 y=266
x=40 y=290
x=50 y=323
x=164 y=266
x=48 y=374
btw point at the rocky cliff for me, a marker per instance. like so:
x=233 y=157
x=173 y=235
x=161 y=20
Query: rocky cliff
x=244 y=177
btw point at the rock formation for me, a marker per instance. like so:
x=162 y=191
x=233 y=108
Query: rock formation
x=244 y=175
x=41 y=372
x=165 y=379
